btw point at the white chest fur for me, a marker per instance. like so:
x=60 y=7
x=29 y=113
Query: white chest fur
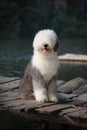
x=48 y=67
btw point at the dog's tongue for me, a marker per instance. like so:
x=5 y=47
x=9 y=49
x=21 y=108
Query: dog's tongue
x=45 y=50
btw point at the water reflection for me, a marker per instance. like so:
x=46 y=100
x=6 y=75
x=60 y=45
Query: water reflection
x=69 y=70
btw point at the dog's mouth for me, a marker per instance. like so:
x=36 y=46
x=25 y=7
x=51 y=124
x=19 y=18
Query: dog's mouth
x=45 y=50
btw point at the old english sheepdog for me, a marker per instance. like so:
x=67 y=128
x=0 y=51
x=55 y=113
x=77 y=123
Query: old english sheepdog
x=41 y=73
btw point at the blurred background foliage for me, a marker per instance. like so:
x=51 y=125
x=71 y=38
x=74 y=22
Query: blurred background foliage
x=23 y=18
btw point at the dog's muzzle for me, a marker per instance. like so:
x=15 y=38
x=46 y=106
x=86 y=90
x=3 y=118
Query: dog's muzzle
x=46 y=48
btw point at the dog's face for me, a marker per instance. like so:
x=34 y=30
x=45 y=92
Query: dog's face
x=45 y=42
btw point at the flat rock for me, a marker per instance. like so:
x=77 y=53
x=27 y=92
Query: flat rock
x=72 y=85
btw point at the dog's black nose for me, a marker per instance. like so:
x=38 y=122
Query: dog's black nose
x=45 y=45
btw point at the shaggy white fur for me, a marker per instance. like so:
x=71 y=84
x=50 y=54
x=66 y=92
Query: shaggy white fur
x=41 y=72
x=45 y=60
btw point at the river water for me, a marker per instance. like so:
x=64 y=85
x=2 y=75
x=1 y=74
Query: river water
x=14 y=56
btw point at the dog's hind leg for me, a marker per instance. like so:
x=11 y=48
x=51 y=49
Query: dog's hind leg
x=52 y=90
x=26 y=88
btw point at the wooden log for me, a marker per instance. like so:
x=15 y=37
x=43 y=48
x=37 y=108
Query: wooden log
x=72 y=85
x=73 y=57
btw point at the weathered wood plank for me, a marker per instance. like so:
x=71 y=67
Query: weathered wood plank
x=70 y=110
x=75 y=121
x=39 y=105
x=7 y=79
x=72 y=85
x=13 y=103
x=66 y=113
x=31 y=104
x=9 y=85
x=9 y=99
x=53 y=108
x=9 y=96
x=81 y=114
x=81 y=99
x=28 y=105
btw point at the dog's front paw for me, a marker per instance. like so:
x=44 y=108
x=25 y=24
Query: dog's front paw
x=42 y=98
x=53 y=98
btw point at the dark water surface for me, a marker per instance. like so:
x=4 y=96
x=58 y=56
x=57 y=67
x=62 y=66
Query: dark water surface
x=14 y=55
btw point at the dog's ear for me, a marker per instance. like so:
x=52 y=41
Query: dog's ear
x=56 y=45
